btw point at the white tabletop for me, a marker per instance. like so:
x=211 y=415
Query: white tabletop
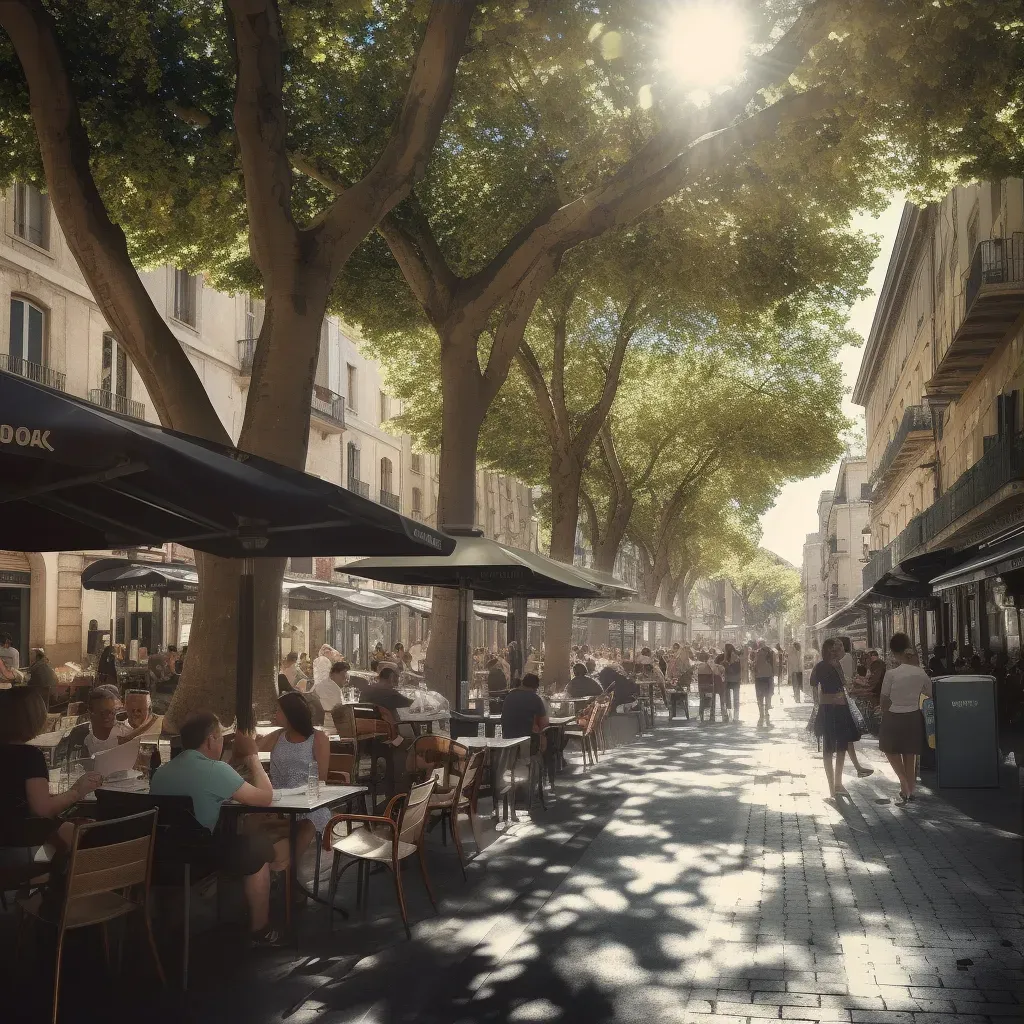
x=289 y=800
x=405 y=715
x=562 y=720
x=47 y=739
x=491 y=742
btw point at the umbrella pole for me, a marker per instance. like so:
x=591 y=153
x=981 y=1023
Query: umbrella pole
x=634 y=645
x=461 y=661
x=244 y=657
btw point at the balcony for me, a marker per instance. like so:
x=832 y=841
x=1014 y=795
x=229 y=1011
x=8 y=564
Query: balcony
x=991 y=302
x=32 y=371
x=391 y=500
x=913 y=439
x=360 y=487
x=1001 y=465
x=117 y=403
x=327 y=410
x=246 y=354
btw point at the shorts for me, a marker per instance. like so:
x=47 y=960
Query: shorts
x=239 y=854
x=765 y=686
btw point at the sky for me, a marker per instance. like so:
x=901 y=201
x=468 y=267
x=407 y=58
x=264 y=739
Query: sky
x=795 y=514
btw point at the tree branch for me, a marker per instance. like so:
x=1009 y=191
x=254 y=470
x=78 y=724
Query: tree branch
x=535 y=375
x=99 y=245
x=405 y=157
x=509 y=334
x=261 y=128
x=592 y=520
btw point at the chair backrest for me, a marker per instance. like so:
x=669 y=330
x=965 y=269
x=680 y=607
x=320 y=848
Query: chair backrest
x=111 y=855
x=430 y=755
x=341 y=768
x=373 y=720
x=597 y=714
x=471 y=775
x=413 y=816
x=344 y=720
x=175 y=813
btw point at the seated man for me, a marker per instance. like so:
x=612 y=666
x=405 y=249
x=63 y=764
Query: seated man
x=582 y=684
x=383 y=692
x=623 y=690
x=329 y=690
x=199 y=772
x=104 y=730
x=523 y=711
x=497 y=681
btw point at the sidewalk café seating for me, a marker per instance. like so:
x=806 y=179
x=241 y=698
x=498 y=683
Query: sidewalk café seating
x=108 y=860
x=679 y=696
x=368 y=732
x=584 y=733
x=19 y=840
x=464 y=725
x=179 y=857
x=535 y=766
x=386 y=839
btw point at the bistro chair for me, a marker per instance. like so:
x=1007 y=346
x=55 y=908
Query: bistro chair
x=182 y=854
x=386 y=839
x=108 y=877
x=367 y=732
x=584 y=733
x=456 y=793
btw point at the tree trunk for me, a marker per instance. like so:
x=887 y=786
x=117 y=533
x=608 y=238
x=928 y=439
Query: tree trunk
x=565 y=476
x=461 y=418
x=276 y=427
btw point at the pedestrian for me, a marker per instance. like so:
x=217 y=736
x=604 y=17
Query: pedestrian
x=733 y=664
x=9 y=654
x=764 y=682
x=106 y=667
x=780 y=671
x=833 y=721
x=846 y=662
x=901 y=736
x=41 y=675
x=796 y=671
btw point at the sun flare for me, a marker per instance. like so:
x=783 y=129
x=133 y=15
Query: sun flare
x=705 y=45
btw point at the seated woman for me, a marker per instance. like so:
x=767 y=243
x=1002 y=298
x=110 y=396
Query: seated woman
x=24 y=776
x=293 y=748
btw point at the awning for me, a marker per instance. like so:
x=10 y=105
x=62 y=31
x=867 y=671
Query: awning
x=300 y=594
x=611 y=585
x=122 y=574
x=850 y=613
x=998 y=560
x=76 y=477
x=630 y=611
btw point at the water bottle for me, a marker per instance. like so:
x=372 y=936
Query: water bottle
x=481 y=730
x=313 y=782
x=497 y=731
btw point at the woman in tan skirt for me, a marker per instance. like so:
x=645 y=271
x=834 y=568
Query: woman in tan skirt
x=900 y=736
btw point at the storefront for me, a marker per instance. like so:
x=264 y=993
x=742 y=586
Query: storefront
x=15 y=599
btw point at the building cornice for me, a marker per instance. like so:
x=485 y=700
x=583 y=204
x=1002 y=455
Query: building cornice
x=890 y=298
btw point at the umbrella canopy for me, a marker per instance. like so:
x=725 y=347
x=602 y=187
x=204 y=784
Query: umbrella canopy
x=611 y=585
x=630 y=611
x=113 y=574
x=77 y=476
x=491 y=570
x=325 y=595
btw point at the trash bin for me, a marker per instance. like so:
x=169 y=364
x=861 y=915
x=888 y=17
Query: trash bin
x=966 y=732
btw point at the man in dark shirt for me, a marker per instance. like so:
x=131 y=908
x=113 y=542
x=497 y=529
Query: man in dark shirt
x=583 y=685
x=41 y=675
x=383 y=692
x=622 y=689
x=496 y=681
x=523 y=711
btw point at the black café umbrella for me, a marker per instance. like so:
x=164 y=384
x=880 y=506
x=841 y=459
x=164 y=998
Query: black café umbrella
x=630 y=611
x=77 y=476
x=492 y=571
x=123 y=574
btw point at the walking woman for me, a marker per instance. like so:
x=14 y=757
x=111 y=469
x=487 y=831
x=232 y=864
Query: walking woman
x=902 y=729
x=705 y=685
x=796 y=670
x=733 y=669
x=833 y=723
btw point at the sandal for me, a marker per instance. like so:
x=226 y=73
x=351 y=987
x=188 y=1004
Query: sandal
x=901 y=799
x=842 y=791
x=266 y=939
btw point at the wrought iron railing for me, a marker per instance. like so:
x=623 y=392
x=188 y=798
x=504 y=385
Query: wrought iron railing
x=246 y=354
x=328 y=404
x=360 y=487
x=117 y=403
x=32 y=371
x=915 y=417
x=1002 y=464
x=391 y=500
x=995 y=261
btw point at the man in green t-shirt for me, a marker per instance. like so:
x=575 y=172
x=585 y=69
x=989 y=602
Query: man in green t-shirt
x=199 y=772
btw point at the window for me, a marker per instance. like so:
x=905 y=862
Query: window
x=115 y=373
x=186 y=291
x=32 y=215
x=303 y=565
x=417 y=501
x=417 y=463
x=353 y=461
x=385 y=408
x=351 y=381
x=386 y=480
x=249 y=317
x=27 y=328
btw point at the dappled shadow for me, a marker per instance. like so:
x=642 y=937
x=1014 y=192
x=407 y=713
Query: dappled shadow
x=695 y=868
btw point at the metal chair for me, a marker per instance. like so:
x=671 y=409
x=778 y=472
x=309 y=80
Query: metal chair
x=584 y=734
x=386 y=839
x=366 y=731
x=451 y=801
x=108 y=859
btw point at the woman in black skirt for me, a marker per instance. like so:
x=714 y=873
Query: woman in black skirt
x=833 y=723
x=901 y=735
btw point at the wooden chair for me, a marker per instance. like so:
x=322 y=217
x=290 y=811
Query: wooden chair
x=108 y=860
x=386 y=839
x=452 y=801
x=584 y=734
x=367 y=731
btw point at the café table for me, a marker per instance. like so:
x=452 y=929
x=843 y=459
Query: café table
x=293 y=802
x=421 y=720
x=502 y=755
